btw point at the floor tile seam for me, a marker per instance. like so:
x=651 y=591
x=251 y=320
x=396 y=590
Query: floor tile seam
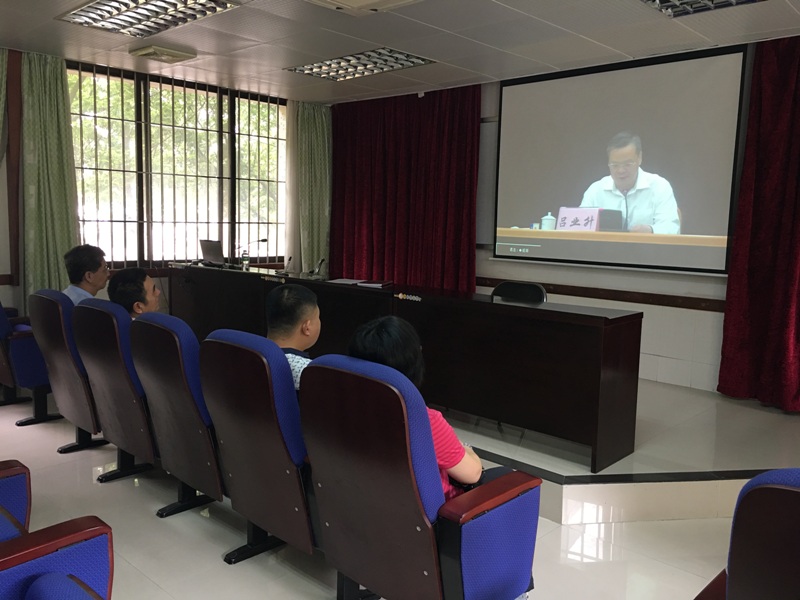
x=703 y=576
x=141 y=574
x=647 y=550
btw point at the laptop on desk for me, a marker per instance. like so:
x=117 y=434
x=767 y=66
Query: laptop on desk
x=212 y=253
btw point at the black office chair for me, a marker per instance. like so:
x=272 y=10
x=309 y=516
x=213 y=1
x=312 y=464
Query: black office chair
x=522 y=291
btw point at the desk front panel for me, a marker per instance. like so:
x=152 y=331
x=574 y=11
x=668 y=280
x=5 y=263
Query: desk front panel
x=563 y=370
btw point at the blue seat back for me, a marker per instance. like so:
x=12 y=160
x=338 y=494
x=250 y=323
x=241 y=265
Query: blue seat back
x=102 y=335
x=167 y=358
x=423 y=457
x=120 y=320
x=51 y=315
x=65 y=306
x=15 y=497
x=248 y=387
x=21 y=362
x=286 y=407
x=187 y=349
x=765 y=538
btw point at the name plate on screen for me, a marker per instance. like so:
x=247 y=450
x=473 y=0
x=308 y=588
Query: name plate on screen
x=588 y=219
x=578 y=219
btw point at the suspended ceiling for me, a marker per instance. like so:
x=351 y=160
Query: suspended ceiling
x=472 y=41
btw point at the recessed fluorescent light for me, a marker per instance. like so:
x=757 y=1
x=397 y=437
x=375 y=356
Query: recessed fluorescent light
x=142 y=18
x=682 y=8
x=362 y=64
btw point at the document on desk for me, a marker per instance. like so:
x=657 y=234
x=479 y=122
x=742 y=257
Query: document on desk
x=375 y=284
x=346 y=281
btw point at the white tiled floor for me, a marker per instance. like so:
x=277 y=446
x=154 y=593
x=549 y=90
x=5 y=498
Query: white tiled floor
x=181 y=557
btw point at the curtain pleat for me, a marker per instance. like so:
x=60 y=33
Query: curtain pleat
x=314 y=184
x=3 y=77
x=761 y=332
x=405 y=173
x=49 y=191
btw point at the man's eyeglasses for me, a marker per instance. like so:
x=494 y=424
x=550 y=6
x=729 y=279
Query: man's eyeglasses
x=625 y=165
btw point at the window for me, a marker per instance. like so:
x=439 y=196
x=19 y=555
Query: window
x=162 y=164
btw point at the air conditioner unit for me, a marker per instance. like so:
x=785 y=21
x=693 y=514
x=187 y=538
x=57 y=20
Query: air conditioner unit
x=360 y=8
x=160 y=54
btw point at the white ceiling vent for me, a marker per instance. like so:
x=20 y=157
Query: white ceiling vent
x=360 y=8
x=160 y=54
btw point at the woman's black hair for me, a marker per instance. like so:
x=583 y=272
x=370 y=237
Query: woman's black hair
x=390 y=341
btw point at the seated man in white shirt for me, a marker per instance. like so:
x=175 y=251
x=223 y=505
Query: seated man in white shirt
x=293 y=323
x=645 y=200
x=87 y=271
x=135 y=291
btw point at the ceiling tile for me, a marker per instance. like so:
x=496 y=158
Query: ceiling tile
x=326 y=43
x=509 y=34
x=502 y=65
x=250 y=23
x=748 y=20
x=584 y=17
x=567 y=50
x=442 y=47
x=384 y=29
x=453 y=15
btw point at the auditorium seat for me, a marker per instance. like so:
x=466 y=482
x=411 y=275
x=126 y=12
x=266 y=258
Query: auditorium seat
x=51 y=318
x=765 y=541
x=102 y=335
x=521 y=291
x=248 y=388
x=69 y=561
x=15 y=499
x=166 y=355
x=22 y=365
x=387 y=526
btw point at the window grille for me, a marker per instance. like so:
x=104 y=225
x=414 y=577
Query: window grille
x=164 y=163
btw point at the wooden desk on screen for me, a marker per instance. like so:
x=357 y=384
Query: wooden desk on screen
x=719 y=241
x=562 y=370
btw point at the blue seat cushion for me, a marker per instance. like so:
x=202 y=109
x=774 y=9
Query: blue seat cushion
x=56 y=585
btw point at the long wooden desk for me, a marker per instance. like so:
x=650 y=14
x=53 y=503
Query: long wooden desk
x=562 y=370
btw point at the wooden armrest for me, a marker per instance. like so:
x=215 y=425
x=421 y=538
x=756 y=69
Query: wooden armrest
x=9 y=468
x=486 y=497
x=50 y=539
x=20 y=335
x=19 y=321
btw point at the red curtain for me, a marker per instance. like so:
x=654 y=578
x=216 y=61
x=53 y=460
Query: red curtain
x=761 y=336
x=405 y=176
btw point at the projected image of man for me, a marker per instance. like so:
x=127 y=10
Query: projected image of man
x=645 y=200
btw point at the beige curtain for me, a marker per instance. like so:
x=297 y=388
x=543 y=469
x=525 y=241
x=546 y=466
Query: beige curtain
x=49 y=191
x=308 y=184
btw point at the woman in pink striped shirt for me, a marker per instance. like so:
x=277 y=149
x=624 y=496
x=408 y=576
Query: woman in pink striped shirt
x=394 y=342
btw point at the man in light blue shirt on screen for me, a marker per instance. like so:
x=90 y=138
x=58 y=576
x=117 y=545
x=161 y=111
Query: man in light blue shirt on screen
x=87 y=271
x=645 y=200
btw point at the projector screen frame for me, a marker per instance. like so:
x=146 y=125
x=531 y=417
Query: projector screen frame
x=745 y=52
